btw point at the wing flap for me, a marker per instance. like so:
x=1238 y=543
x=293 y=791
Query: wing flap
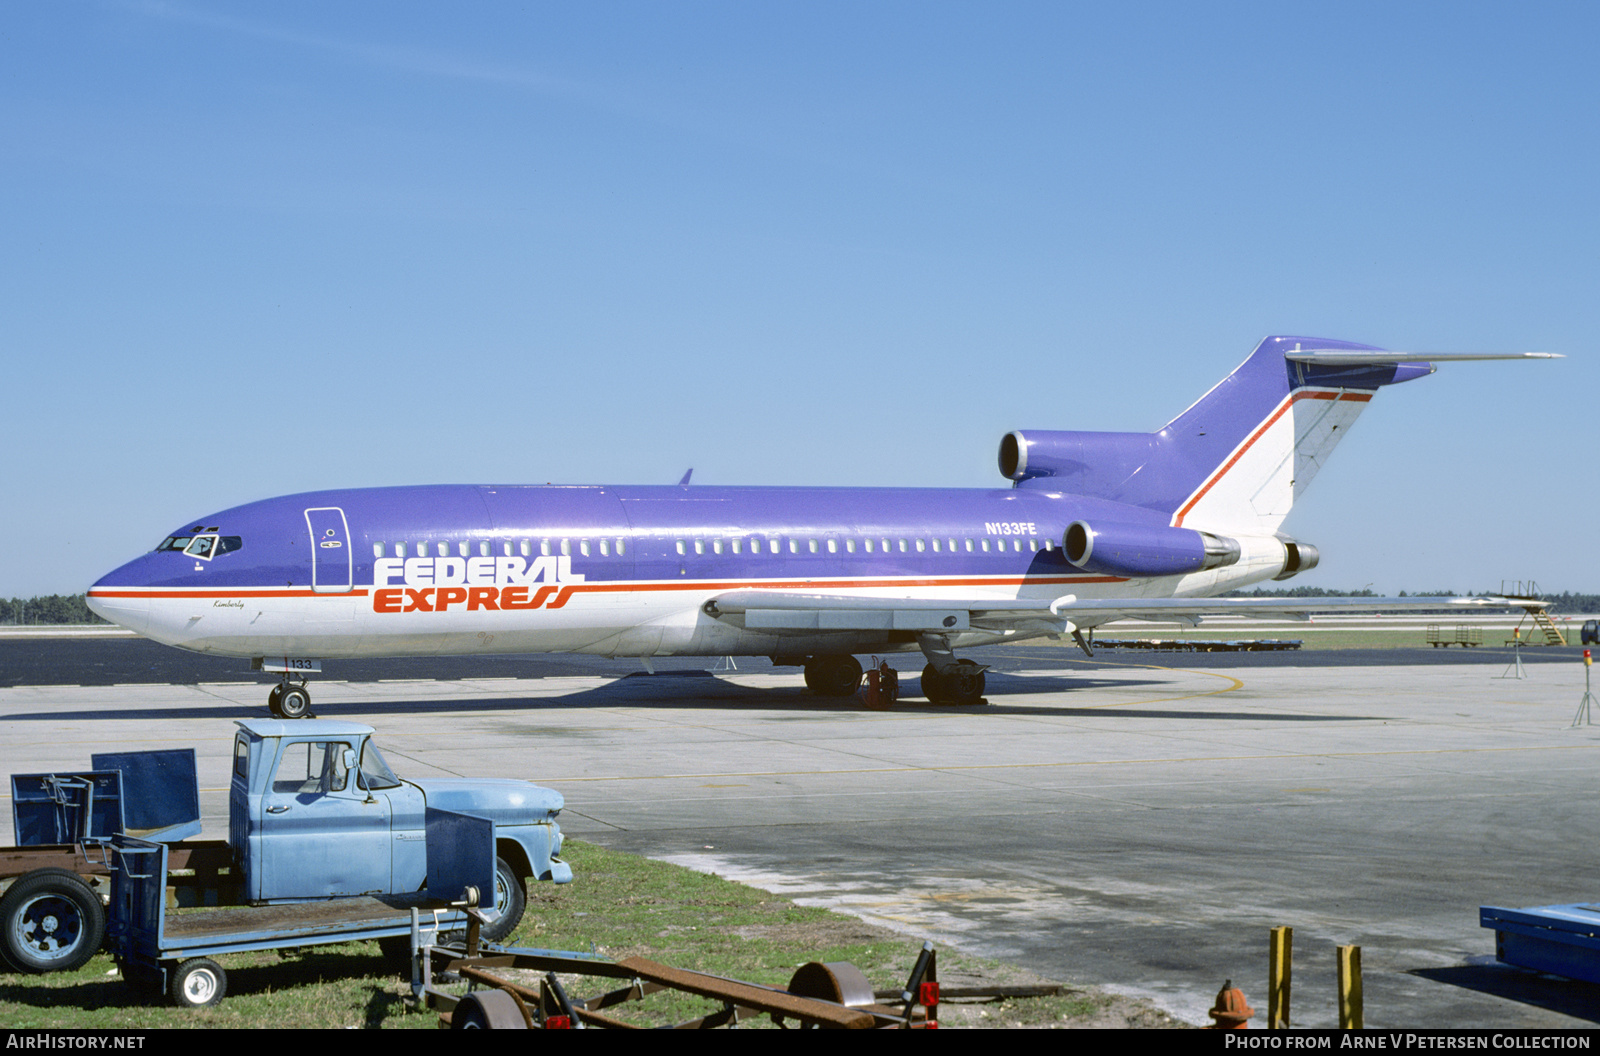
x=804 y=612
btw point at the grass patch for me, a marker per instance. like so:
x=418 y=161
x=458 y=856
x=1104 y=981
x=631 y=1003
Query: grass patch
x=620 y=905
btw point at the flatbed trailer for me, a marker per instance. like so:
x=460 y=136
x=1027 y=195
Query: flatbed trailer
x=174 y=952
x=55 y=882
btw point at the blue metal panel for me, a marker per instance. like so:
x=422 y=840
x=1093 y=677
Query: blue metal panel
x=161 y=792
x=460 y=854
x=1562 y=939
x=66 y=808
x=138 y=900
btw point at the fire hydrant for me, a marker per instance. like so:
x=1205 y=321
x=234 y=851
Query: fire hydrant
x=1230 y=1012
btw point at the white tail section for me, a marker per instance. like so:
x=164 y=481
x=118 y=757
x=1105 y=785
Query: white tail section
x=1253 y=489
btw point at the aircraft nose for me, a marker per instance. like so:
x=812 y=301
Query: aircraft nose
x=116 y=597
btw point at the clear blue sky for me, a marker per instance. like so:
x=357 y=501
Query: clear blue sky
x=253 y=249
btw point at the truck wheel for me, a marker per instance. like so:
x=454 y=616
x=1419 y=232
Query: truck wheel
x=509 y=899
x=197 y=983
x=487 y=1010
x=50 y=921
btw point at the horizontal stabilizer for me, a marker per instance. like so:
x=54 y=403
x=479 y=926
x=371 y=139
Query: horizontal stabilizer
x=1338 y=357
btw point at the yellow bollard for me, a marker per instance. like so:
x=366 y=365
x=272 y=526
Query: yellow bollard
x=1280 y=958
x=1350 y=1010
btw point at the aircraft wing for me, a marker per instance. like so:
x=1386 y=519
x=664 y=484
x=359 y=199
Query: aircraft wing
x=801 y=612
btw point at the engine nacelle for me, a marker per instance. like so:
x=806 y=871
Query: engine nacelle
x=1138 y=550
x=1090 y=463
x=1298 y=557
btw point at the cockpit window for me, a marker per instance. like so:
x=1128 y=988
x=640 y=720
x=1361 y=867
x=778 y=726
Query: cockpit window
x=202 y=546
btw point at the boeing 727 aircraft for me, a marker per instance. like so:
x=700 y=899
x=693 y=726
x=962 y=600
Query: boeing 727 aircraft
x=1093 y=527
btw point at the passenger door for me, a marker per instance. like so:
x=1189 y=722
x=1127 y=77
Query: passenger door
x=332 y=556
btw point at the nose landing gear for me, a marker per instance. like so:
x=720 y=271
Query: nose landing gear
x=289 y=701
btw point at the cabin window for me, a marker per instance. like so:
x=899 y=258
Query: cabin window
x=526 y=547
x=544 y=548
x=849 y=546
x=969 y=546
x=736 y=541
x=812 y=543
x=682 y=548
x=885 y=543
x=985 y=544
x=772 y=544
x=619 y=547
x=462 y=548
x=605 y=548
x=699 y=546
x=377 y=549
x=902 y=546
x=794 y=545
x=833 y=546
x=399 y=549
x=935 y=546
x=1047 y=545
x=868 y=544
x=483 y=548
x=921 y=546
x=566 y=548
x=583 y=547
x=716 y=546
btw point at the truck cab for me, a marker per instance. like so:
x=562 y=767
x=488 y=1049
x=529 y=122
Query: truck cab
x=315 y=812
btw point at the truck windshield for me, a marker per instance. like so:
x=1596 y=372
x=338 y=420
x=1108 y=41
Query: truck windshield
x=375 y=773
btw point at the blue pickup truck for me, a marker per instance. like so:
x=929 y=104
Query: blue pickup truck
x=315 y=814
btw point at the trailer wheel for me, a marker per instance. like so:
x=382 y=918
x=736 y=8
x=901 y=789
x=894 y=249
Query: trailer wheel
x=50 y=921
x=511 y=899
x=197 y=983
x=487 y=1010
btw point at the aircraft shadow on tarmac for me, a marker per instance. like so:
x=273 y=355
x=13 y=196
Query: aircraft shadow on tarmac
x=702 y=690
x=1569 y=997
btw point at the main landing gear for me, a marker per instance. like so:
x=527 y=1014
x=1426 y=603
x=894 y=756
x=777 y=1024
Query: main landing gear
x=962 y=683
x=290 y=701
x=947 y=680
x=833 y=676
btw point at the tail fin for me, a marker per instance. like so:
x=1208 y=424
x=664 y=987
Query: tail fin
x=1236 y=460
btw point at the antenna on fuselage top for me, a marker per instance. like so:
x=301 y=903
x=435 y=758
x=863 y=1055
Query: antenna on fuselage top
x=684 y=483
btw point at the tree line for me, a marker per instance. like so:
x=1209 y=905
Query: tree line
x=1566 y=603
x=47 y=609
